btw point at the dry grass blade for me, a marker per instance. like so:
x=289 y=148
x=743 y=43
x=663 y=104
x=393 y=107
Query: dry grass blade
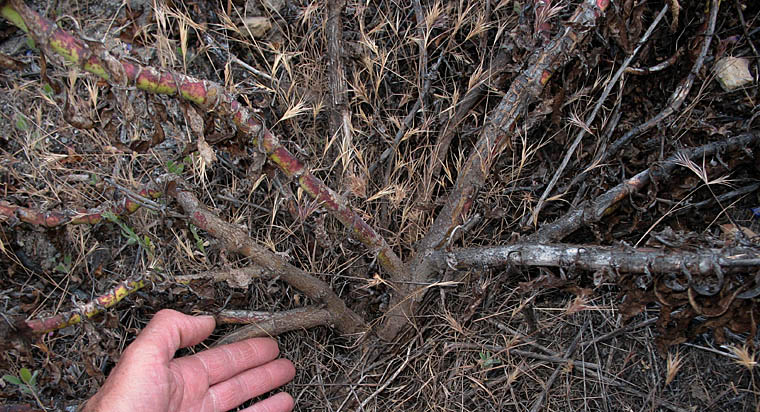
x=744 y=356
x=296 y=110
x=425 y=132
x=494 y=139
x=674 y=363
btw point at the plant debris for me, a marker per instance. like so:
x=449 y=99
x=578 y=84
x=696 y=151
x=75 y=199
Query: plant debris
x=499 y=205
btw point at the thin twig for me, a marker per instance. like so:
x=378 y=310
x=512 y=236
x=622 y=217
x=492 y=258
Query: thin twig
x=587 y=212
x=492 y=78
x=426 y=75
x=686 y=207
x=746 y=32
x=494 y=139
x=144 y=201
x=643 y=71
x=590 y=119
x=678 y=96
x=226 y=54
x=387 y=381
x=236 y=240
x=619 y=331
x=568 y=353
x=409 y=117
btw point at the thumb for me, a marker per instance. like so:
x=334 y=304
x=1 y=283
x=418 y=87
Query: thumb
x=170 y=330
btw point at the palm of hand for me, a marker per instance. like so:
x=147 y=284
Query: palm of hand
x=147 y=378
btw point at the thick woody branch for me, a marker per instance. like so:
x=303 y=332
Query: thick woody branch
x=340 y=117
x=261 y=324
x=495 y=139
x=236 y=240
x=492 y=78
x=589 y=212
x=97 y=305
x=207 y=95
x=593 y=258
x=14 y=214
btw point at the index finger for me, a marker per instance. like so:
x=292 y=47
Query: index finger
x=226 y=361
x=170 y=330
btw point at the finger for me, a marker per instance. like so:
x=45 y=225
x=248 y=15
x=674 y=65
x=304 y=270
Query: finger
x=251 y=383
x=280 y=402
x=170 y=330
x=226 y=361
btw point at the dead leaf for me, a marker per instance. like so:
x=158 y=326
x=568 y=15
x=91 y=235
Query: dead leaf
x=730 y=231
x=206 y=152
x=733 y=73
x=257 y=26
x=356 y=185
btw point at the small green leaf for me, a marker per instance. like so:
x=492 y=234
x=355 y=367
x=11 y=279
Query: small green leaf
x=198 y=240
x=21 y=123
x=93 y=179
x=487 y=360
x=30 y=43
x=33 y=381
x=110 y=216
x=12 y=379
x=64 y=267
x=48 y=90
x=26 y=375
x=174 y=167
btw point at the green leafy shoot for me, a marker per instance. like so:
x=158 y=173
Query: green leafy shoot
x=65 y=266
x=26 y=381
x=48 y=90
x=21 y=123
x=487 y=360
x=126 y=231
x=198 y=240
x=130 y=235
x=174 y=167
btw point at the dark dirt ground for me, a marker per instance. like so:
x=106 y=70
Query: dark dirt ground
x=483 y=338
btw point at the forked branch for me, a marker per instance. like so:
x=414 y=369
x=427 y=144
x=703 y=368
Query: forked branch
x=208 y=95
x=588 y=212
x=495 y=139
x=236 y=240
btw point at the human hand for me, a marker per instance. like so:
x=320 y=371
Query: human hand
x=148 y=378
